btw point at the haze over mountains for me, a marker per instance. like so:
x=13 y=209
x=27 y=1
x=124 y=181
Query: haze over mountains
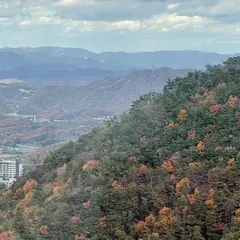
x=76 y=64
x=114 y=94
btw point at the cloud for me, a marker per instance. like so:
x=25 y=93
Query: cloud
x=109 y=10
x=4 y=19
x=171 y=19
x=124 y=15
x=50 y=20
x=157 y=23
x=172 y=6
x=72 y=3
x=25 y=23
x=223 y=10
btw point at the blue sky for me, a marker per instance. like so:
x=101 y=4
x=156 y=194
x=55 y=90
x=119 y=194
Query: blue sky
x=122 y=25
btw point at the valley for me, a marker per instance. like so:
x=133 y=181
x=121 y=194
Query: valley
x=42 y=117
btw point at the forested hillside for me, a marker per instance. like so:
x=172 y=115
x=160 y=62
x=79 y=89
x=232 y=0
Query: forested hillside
x=114 y=94
x=169 y=169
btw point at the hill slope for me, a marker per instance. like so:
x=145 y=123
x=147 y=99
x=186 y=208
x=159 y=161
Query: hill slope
x=168 y=170
x=111 y=94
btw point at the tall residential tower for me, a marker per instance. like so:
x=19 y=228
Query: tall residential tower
x=9 y=171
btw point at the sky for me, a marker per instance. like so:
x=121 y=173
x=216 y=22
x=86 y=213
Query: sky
x=122 y=25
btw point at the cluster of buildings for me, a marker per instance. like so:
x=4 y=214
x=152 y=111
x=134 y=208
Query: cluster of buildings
x=10 y=170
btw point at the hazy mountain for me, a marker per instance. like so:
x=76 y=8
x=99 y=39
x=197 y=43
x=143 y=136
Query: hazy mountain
x=111 y=94
x=10 y=60
x=64 y=58
x=173 y=59
x=59 y=73
x=53 y=51
x=51 y=63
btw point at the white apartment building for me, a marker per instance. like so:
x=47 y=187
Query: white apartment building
x=9 y=170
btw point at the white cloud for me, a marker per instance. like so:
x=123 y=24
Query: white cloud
x=157 y=23
x=50 y=20
x=70 y=3
x=68 y=29
x=3 y=19
x=172 y=6
x=206 y=19
x=175 y=22
x=125 y=26
x=25 y=23
x=108 y=10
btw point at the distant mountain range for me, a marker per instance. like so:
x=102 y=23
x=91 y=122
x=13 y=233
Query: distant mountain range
x=113 y=94
x=75 y=64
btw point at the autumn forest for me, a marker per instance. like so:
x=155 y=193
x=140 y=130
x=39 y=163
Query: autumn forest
x=168 y=169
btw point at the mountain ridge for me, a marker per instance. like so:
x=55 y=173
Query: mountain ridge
x=112 y=94
x=48 y=63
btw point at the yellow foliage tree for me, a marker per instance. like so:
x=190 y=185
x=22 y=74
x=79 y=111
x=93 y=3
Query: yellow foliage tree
x=200 y=148
x=180 y=185
x=182 y=115
x=44 y=230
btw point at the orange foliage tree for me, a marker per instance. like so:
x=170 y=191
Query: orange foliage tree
x=166 y=217
x=118 y=186
x=200 y=147
x=182 y=115
x=210 y=201
x=29 y=185
x=59 y=187
x=140 y=226
x=167 y=165
x=237 y=215
x=28 y=199
x=102 y=222
x=142 y=169
x=231 y=164
x=9 y=235
x=91 y=164
x=181 y=185
x=233 y=101
x=192 y=199
x=194 y=165
x=216 y=108
x=44 y=230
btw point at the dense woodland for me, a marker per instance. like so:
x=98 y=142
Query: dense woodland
x=169 y=169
